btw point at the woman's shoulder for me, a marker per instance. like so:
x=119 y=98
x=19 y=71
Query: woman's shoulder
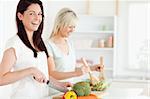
x=14 y=39
x=50 y=47
x=49 y=43
x=70 y=42
x=15 y=43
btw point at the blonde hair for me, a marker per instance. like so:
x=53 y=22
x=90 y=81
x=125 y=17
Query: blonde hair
x=64 y=18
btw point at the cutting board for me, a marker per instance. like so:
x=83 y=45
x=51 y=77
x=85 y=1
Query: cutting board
x=58 y=97
x=98 y=94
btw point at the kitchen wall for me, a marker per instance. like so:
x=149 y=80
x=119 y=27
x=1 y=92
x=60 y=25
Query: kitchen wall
x=7 y=29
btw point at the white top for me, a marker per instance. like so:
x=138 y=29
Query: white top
x=28 y=88
x=63 y=63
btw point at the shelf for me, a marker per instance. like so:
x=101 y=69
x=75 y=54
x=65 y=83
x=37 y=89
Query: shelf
x=94 y=49
x=131 y=80
x=96 y=16
x=91 y=35
x=105 y=69
x=94 y=32
x=108 y=69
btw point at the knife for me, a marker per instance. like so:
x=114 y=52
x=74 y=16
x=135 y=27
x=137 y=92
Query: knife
x=55 y=85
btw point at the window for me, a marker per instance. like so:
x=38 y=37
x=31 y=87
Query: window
x=133 y=52
x=138 y=36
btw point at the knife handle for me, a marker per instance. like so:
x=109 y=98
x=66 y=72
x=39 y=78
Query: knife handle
x=43 y=80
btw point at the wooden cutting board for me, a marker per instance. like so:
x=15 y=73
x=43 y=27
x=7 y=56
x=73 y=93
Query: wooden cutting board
x=98 y=94
x=58 y=97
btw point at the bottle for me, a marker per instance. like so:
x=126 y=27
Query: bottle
x=104 y=28
x=110 y=42
x=102 y=43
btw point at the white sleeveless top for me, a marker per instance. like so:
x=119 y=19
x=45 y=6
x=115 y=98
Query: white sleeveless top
x=28 y=88
x=63 y=63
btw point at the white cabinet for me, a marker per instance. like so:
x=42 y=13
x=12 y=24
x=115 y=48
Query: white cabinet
x=95 y=37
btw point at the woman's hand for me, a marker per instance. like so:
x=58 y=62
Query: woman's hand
x=85 y=69
x=61 y=86
x=38 y=75
x=66 y=84
x=97 y=67
x=78 y=72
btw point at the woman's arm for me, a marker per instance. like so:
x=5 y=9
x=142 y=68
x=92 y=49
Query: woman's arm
x=61 y=75
x=95 y=67
x=8 y=61
x=61 y=86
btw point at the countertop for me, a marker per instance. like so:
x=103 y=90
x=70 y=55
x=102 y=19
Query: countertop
x=118 y=90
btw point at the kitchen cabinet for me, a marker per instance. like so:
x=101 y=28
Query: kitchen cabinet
x=95 y=36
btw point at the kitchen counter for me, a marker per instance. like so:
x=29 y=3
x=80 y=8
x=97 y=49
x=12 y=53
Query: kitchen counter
x=117 y=93
x=120 y=90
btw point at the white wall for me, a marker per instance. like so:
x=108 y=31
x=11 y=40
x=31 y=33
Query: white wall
x=7 y=29
x=7 y=19
x=122 y=33
x=102 y=7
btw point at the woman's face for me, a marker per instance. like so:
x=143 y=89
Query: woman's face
x=67 y=31
x=31 y=18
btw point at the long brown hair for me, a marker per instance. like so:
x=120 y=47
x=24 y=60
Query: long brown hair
x=37 y=39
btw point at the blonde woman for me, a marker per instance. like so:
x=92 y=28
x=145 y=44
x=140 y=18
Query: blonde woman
x=62 y=61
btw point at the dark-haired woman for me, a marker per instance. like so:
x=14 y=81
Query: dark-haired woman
x=24 y=63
